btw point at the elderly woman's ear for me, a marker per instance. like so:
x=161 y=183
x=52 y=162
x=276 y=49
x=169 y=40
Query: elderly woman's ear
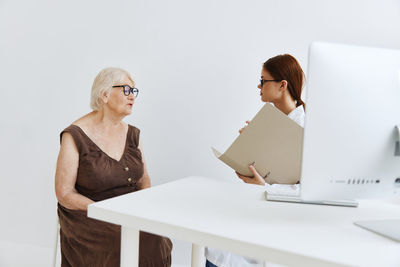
x=104 y=97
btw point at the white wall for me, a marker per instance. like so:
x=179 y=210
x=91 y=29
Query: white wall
x=196 y=64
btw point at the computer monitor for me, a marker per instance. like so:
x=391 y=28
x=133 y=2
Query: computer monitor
x=350 y=136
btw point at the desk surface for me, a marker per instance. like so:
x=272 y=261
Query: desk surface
x=236 y=217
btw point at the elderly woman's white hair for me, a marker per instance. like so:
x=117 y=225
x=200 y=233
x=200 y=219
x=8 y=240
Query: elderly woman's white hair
x=103 y=84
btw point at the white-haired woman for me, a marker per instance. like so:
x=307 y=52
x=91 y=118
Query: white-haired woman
x=101 y=157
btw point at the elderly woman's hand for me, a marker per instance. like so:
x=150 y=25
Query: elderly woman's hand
x=256 y=179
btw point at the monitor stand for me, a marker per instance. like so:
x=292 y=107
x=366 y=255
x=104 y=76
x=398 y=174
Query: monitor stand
x=386 y=228
x=291 y=199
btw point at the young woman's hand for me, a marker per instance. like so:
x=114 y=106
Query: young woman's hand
x=256 y=179
x=241 y=129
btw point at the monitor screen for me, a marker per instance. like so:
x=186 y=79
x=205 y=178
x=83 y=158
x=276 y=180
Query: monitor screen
x=352 y=108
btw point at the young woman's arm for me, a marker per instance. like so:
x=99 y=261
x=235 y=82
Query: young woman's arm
x=256 y=179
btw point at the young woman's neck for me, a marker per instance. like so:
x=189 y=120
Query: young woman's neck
x=286 y=104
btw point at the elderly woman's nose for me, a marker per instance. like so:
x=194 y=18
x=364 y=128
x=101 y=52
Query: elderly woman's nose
x=259 y=86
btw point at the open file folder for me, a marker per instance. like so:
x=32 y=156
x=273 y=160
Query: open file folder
x=272 y=142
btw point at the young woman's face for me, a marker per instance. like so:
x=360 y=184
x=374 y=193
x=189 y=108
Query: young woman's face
x=269 y=92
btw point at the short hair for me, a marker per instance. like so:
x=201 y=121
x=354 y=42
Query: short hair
x=103 y=83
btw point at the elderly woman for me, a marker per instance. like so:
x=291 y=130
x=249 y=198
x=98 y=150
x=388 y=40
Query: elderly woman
x=101 y=157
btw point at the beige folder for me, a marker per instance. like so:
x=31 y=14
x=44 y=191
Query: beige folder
x=272 y=142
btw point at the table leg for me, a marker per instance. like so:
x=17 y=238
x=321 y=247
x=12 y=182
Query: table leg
x=197 y=256
x=129 y=247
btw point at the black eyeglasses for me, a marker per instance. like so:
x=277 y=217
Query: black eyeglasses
x=128 y=90
x=265 y=81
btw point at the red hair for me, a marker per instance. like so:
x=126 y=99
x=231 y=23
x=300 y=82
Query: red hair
x=286 y=67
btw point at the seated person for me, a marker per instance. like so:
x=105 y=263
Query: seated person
x=102 y=157
x=281 y=84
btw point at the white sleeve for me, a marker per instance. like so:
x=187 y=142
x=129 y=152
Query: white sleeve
x=283 y=189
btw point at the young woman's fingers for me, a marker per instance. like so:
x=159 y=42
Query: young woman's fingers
x=254 y=171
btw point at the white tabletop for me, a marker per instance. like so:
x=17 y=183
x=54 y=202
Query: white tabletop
x=236 y=217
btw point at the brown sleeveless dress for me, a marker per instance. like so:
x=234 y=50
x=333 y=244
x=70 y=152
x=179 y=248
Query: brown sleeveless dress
x=89 y=242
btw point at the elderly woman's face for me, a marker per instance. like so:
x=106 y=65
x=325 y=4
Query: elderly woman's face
x=118 y=101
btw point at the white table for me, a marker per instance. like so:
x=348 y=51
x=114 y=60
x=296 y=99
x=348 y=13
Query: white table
x=235 y=217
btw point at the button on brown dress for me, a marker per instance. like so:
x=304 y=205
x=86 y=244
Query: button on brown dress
x=89 y=242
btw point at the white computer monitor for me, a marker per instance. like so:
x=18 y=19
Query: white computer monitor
x=353 y=106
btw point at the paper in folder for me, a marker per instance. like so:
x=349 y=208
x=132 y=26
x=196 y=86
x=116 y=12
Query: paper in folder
x=272 y=142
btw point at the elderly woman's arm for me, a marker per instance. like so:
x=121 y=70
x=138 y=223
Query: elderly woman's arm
x=66 y=172
x=144 y=181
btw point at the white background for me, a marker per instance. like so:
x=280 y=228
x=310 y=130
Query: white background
x=196 y=63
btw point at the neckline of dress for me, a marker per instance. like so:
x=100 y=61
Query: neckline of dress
x=101 y=150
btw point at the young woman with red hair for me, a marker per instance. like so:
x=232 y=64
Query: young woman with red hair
x=281 y=84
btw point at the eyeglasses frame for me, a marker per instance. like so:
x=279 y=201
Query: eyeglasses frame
x=262 y=82
x=132 y=90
